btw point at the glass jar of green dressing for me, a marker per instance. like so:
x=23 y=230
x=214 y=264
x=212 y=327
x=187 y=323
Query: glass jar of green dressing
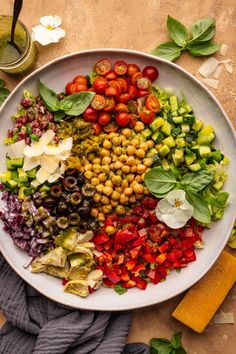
x=13 y=61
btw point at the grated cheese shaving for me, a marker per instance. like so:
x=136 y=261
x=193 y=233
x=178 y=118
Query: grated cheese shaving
x=211 y=82
x=217 y=72
x=229 y=68
x=223 y=49
x=208 y=67
x=226 y=61
x=224 y=317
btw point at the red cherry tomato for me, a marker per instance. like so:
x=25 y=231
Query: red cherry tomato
x=150 y=72
x=112 y=91
x=124 y=98
x=143 y=93
x=143 y=83
x=132 y=121
x=70 y=88
x=152 y=103
x=104 y=118
x=98 y=102
x=120 y=67
x=80 y=80
x=80 y=87
x=135 y=77
x=97 y=128
x=109 y=104
x=111 y=75
x=146 y=116
x=121 y=107
x=122 y=119
x=133 y=92
x=115 y=83
x=123 y=84
x=100 y=84
x=110 y=128
x=90 y=115
x=103 y=66
x=132 y=69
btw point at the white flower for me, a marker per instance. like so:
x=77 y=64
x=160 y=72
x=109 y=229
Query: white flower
x=174 y=210
x=49 y=30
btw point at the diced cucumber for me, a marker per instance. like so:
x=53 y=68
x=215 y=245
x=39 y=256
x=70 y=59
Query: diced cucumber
x=21 y=194
x=185 y=128
x=5 y=176
x=22 y=175
x=173 y=103
x=189 y=119
x=188 y=108
x=205 y=151
x=195 y=167
x=157 y=136
x=180 y=142
x=218 y=185
x=206 y=135
x=202 y=163
x=12 y=164
x=178 y=157
x=181 y=110
x=166 y=128
x=157 y=123
x=44 y=188
x=146 y=133
x=169 y=141
x=175 y=114
x=190 y=157
x=152 y=152
x=14 y=175
x=164 y=150
x=165 y=165
x=217 y=156
x=178 y=119
x=11 y=184
x=197 y=126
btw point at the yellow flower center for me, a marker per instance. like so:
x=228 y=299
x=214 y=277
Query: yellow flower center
x=178 y=203
x=49 y=27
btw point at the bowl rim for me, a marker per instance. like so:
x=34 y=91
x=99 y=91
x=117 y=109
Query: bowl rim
x=144 y=55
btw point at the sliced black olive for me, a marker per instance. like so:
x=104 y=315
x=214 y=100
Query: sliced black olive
x=62 y=222
x=62 y=207
x=49 y=222
x=71 y=171
x=75 y=198
x=88 y=190
x=69 y=182
x=74 y=219
x=84 y=211
x=80 y=178
x=83 y=227
x=56 y=191
x=49 y=202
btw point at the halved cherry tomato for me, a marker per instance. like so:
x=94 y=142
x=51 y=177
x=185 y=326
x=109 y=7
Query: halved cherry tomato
x=98 y=102
x=90 y=115
x=135 y=77
x=112 y=91
x=120 y=67
x=150 y=72
x=143 y=83
x=70 y=88
x=143 y=93
x=111 y=75
x=132 y=121
x=133 y=92
x=132 y=69
x=80 y=80
x=121 y=107
x=109 y=104
x=104 y=118
x=123 y=84
x=146 y=116
x=103 y=66
x=124 y=98
x=132 y=107
x=97 y=128
x=100 y=84
x=115 y=83
x=122 y=119
x=110 y=128
x=152 y=103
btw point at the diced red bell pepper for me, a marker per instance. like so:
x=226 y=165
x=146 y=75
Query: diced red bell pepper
x=171 y=257
x=157 y=278
x=162 y=270
x=134 y=252
x=140 y=283
x=161 y=258
x=107 y=245
x=138 y=209
x=137 y=269
x=150 y=273
x=142 y=233
x=64 y=281
x=138 y=242
x=150 y=202
x=188 y=253
x=124 y=276
x=101 y=267
x=113 y=277
x=99 y=248
x=152 y=217
x=141 y=224
x=100 y=239
x=128 y=284
x=189 y=232
x=125 y=236
x=177 y=264
x=164 y=247
x=149 y=258
x=130 y=264
x=108 y=282
x=120 y=259
x=129 y=219
x=187 y=243
x=91 y=290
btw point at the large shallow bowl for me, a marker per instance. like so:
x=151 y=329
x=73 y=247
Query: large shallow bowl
x=60 y=71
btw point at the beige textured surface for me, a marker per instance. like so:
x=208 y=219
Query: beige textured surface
x=140 y=25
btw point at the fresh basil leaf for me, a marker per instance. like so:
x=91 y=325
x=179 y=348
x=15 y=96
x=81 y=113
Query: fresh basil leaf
x=177 y=31
x=168 y=50
x=119 y=289
x=180 y=351
x=197 y=181
x=159 y=181
x=80 y=101
x=4 y=92
x=201 y=211
x=220 y=200
x=203 y=30
x=176 y=340
x=201 y=49
x=59 y=115
x=49 y=97
x=153 y=351
x=2 y=83
x=162 y=345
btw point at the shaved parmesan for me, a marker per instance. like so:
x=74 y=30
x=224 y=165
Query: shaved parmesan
x=16 y=150
x=36 y=149
x=223 y=49
x=224 y=317
x=49 y=163
x=229 y=68
x=64 y=155
x=62 y=168
x=217 y=72
x=208 y=67
x=47 y=137
x=42 y=175
x=62 y=146
x=54 y=177
x=30 y=163
x=211 y=82
x=226 y=61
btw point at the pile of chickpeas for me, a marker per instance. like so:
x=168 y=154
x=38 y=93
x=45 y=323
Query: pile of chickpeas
x=117 y=170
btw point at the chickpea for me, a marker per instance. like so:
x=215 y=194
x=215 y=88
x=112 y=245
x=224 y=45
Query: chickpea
x=88 y=174
x=125 y=168
x=142 y=177
x=107 y=209
x=97 y=168
x=97 y=197
x=104 y=152
x=123 y=157
x=144 y=146
x=132 y=199
x=116 y=140
x=117 y=150
x=112 y=166
x=133 y=169
x=138 y=178
x=118 y=165
x=126 y=132
x=97 y=160
x=109 y=183
x=105 y=200
x=140 y=153
x=138 y=188
x=120 y=209
x=122 y=138
x=107 y=191
x=125 y=143
x=150 y=144
x=88 y=167
x=101 y=217
x=110 y=230
x=114 y=203
x=118 y=172
x=106 y=169
x=106 y=160
x=135 y=142
x=107 y=144
x=115 y=195
x=102 y=177
x=111 y=174
x=130 y=150
x=94 y=181
x=94 y=212
x=131 y=161
x=113 y=134
x=128 y=191
x=130 y=177
x=100 y=188
x=139 y=126
x=141 y=168
x=124 y=199
x=124 y=183
x=91 y=156
x=145 y=190
x=148 y=162
x=118 y=189
x=158 y=147
x=114 y=158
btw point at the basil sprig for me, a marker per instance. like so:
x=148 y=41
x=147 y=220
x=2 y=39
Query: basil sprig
x=198 y=44
x=166 y=346
x=4 y=92
x=160 y=182
x=72 y=105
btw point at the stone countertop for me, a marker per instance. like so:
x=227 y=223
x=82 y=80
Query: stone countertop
x=141 y=25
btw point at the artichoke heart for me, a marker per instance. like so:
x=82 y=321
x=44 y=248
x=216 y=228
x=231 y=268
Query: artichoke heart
x=87 y=236
x=78 y=287
x=58 y=272
x=94 y=279
x=81 y=272
x=85 y=250
x=56 y=257
x=67 y=239
x=37 y=266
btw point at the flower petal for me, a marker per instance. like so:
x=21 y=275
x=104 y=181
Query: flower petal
x=186 y=205
x=183 y=215
x=51 y=21
x=158 y=214
x=56 y=34
x=41 y=37
x=171 y=221
x=175 y=194
x=39 y=29
x=165 y=207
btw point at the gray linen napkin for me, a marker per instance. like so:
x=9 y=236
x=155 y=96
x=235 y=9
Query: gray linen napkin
x=37 y=325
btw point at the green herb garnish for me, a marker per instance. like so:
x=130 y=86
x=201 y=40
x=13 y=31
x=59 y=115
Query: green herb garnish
x=119 y=289
x=198 y=44
x=165 y=346
x=4 y=92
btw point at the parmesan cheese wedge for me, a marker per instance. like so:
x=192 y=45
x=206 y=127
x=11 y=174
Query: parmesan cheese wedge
x=208 y=67
x=223 y=49
x=62 y=146
x=224 y=317
x=217 y=72
x=42 y=175
x=229 y=68
x=49 y=163
x=211 y=82
x=16 y=150
x=30 y=163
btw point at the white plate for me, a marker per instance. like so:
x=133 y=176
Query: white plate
x=55 y=75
